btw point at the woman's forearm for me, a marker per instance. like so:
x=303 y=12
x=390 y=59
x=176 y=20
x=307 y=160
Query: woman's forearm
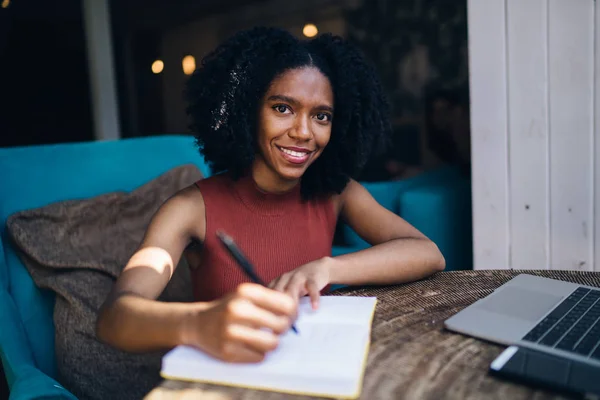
x=396 y=261
x=136 y=324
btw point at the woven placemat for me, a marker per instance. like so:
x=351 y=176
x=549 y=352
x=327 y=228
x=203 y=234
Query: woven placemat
x=412 y=356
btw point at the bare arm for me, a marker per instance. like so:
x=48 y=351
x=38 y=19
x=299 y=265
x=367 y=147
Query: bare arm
x=399 y=252
x=240 y=327
x=130 y=318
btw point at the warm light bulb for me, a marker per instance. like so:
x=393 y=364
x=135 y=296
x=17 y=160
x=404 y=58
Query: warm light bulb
x=310 y=30
x=158 y=66
x=189 y=65
x=5 y=3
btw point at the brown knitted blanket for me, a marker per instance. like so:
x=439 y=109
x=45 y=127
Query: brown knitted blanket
x=77 y=249
x=412 y=356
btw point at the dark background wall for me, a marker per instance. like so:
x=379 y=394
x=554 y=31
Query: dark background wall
x=44 y=93
x=418 y=46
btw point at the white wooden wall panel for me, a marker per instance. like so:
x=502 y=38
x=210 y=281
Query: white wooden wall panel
x=596 y=138
x=528 y=132
x=571 y=88
x=487 y=65
x=535 y=115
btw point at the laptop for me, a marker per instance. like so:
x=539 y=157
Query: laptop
x=549 y=316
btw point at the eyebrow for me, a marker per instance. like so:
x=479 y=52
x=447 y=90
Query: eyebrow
x=291 y=100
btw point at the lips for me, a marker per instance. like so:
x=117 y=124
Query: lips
x=295 y=155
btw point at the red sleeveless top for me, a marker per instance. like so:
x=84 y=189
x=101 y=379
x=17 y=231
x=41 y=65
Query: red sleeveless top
x=277 y=232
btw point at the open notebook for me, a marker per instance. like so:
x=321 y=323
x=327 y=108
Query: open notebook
x=327 y=358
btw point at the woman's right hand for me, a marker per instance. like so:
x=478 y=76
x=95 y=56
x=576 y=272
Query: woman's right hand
x=244 y=325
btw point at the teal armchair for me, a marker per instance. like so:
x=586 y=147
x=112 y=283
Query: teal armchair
x=35 y=176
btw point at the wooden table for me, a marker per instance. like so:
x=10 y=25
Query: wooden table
x=412 y=356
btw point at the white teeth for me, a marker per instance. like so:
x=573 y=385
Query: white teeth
x=293 y=153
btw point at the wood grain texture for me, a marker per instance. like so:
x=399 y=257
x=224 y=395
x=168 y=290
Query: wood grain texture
x=489 y=138
x=571 y=55
x=412 y=356
x=528 y=133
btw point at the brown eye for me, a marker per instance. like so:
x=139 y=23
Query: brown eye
x=280 y=108
x=323 y=117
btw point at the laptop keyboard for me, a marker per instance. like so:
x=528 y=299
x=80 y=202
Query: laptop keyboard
x=572 y=326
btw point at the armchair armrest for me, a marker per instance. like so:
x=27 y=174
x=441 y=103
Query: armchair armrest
x=25 y=380
x=443 y=213
x=34 y=384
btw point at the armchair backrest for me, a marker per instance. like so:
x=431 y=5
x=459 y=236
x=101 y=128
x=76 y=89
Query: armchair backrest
x=35 y=176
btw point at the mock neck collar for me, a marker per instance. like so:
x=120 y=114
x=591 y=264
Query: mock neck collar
x=259 y=201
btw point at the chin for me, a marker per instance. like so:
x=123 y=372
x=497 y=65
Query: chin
x=291 y=174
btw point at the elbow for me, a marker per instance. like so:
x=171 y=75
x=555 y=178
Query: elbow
x=431 y=258
x=105 y=326
x=438 y=261
x=440 y=264
x=102 y=330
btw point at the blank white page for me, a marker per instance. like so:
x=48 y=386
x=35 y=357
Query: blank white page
x=338 y=309
x=326 y=358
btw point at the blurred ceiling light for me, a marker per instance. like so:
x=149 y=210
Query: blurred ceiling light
x=158 y=66
x=5 y=3
x=189 y=65
x=310 y=30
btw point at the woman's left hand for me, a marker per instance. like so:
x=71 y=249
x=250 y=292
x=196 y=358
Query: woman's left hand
x=309 y=279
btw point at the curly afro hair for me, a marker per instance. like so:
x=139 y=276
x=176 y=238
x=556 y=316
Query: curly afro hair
x=224 y=95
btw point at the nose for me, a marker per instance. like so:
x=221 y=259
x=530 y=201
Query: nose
x=301 y=130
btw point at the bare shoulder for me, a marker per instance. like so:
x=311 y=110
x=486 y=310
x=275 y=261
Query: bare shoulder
x=352 y=189
x=186 y=200
x=339 y=200
x=189 y=197
x=352 y=186
x=184 y=210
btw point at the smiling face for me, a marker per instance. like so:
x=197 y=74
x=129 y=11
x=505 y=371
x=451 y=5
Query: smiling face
x=294 y=126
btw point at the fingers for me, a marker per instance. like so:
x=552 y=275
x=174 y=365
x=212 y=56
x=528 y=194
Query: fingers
x=299 y=286
x=314 y=293
x=296 y=286
x=246 y=324
x=243 y=311
x=257 y=340
x=271 y=300
x=236 y=352
x=280 y=283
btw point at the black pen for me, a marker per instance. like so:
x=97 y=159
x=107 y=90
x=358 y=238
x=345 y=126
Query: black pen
x=242 y=261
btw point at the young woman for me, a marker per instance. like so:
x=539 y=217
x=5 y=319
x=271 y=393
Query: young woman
x=287 y=124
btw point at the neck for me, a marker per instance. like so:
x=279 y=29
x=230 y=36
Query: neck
x=268 y=181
